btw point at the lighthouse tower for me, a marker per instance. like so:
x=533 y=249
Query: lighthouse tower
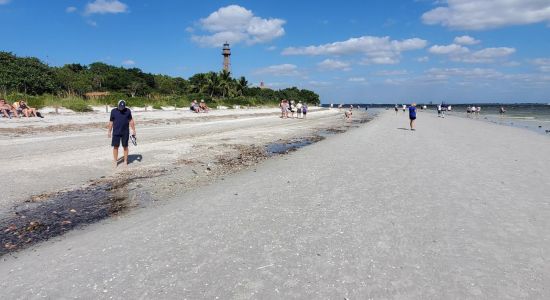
x=226 y=52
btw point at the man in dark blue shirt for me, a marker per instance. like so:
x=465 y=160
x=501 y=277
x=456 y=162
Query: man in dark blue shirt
x=119 y=129
x=412 y=114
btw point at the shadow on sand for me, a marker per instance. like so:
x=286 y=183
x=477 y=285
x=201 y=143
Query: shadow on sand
x=403 y=128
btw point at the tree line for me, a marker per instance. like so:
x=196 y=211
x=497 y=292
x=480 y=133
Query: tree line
x=30 y=76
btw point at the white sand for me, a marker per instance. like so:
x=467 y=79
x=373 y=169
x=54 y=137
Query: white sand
x=456 y=210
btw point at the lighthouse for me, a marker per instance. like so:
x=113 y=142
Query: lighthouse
x=226 y=52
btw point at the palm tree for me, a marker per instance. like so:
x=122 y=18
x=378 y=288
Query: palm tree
x=212 y=83
x=226 y=83
x=242 y=84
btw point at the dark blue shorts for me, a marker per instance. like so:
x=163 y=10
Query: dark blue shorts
x=412 y=118
x=117 y=138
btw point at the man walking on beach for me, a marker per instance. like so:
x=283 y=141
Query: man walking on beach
x=120 y=121
x=412 y=114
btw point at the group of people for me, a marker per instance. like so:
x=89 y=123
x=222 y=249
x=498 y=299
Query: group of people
x=18 y=109
x=290 y=108
x=473 y=111
x=199 y=107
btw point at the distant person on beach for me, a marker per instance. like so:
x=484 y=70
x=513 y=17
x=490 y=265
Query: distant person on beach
x=26 y=110
x=291 y=108
x=7 y=110
x=304 y=110
x=502 y=110
x=120 y=123
x=412 y=115
x=348 y=114
x=396 y=109
x=439 y=110
x=194 y=106
x=299 y=110
x=203 y=107
x=404 y=107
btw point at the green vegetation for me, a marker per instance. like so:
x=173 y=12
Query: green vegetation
x=41 y=85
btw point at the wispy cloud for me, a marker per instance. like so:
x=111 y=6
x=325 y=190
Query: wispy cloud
x=460 y=53
x=106 y=7
x=128 y=62
x=2 y=2
x=482 y=15
x=236 y=24
x=392 y=72
x=70 y=9
x=280 y=70
x=543 y=64
x=466 y=40
x=378 y=50
x=332 y=64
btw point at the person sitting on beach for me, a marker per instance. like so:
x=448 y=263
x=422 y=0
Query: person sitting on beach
x=412 y=115
x=203 y=107
x=26 y=110
x=7 y=110
x=194 y=107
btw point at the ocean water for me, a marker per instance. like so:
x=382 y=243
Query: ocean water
x=535 y=117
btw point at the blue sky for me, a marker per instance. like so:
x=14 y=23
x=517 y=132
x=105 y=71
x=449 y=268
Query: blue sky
x=347 y=51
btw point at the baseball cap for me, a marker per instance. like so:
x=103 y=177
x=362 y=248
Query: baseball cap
x=121 y=104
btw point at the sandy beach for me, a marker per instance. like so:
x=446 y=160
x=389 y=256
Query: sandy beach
x=63 y=152
x=455 y=210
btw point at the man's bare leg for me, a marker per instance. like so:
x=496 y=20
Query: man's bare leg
x=115 y=156
x=125 y=156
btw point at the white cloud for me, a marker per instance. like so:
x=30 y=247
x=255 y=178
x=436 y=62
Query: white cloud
x=271 y=48
x=319 y=83
x=332 y=64
x=543 y=64
x=70 y=9
x=488 y=14
x=4 y=2
x=475 y=73
x=91 y=23
x=423 y=59
x=462 y=54
x=128 y=62
x=392 y=72
x=106 y=7
x=279 y=70
x=189 y=29
x=236 y=24
x=452 y=49
x=466 y=40
x=378 y=50
x=357 y=79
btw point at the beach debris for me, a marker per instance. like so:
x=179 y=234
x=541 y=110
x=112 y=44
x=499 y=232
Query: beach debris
x=72 y=210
